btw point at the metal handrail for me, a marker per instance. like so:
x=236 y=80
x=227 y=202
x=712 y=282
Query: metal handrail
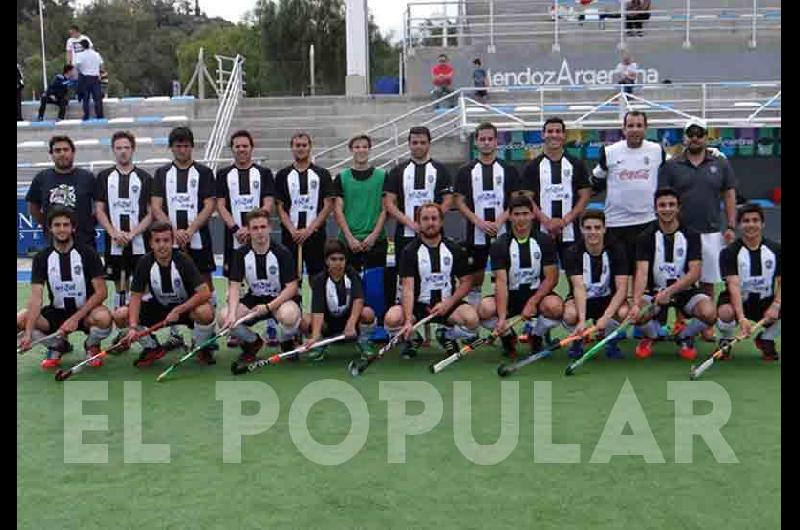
x=227 y=106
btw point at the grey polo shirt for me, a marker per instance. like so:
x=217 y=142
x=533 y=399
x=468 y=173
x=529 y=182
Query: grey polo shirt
x=700 y=189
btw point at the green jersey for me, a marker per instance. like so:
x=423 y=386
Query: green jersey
x=362 y=192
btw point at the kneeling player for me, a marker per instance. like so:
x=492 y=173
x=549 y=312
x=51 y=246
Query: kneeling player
x=525 y=272
x=598 y=275
x=337 y=303
x=175 y=293
x=751 y=267
x=429 y=267
x=269 y=270
x=668 y=264
x=76 y=288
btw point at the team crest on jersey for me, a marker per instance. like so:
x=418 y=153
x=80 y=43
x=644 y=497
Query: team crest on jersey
x=193 y=183
x=77 y=269
x=177 y=282
x=446 y=261
x=256 y=184
x=430 y=179
x=498 y=180
x=646 y=160
x=537 y=255
x=567 y=172
x=679 y=252
x=713 y=169
x=768 y=264
x=273 y=270
x=64 y=195
x=135 y=188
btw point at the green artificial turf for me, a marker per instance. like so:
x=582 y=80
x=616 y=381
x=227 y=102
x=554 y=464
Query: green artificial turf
x=275 y=486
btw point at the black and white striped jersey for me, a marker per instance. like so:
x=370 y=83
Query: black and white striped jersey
x=555 y=185
x=434 y=269
x=168 y=285
x=487 y=190
x=598 y=272
x=184 y=191
x=303 y=193
x=757 y=269
x=668 y=255
x=414 y=185
x=244 y=190
x=68 y=275
x=333 y=298
x=127 y=199
x=523 y=260
x=266 y=275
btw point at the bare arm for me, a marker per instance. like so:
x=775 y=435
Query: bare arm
x=201 y=295
x=103 y=219
x=157 y=209
x=547 y=285
x=501 y=293
x=464 y=286
x=97 y=298
x=729 y=198
x=320 y=220
x=143 y=225
x=408 y=299
x=390 y=204
x=289 y=292
x=267 y=204
x=134 y=305
x=472 y=217
x=35 y=209
x=225 y=214
x=584 y=195
x=202 y=218
x=735 y=291
x=579 y=293
x=233 y=298
x=34 y=308
x=640 y=281
x=341 y=220
x=376 y=232
x=688 y=279
x=317 y=320
x=355 y=313
x=618 y=299
x=285 y=218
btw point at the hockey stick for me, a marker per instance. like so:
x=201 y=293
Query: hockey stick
x=468 y=348
x=357 y=366
x=504 y=370
x=694 y=373
x=20 y=351
x=238 y=369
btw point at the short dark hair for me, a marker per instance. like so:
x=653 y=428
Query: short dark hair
x=520 y=201
x=181 y=134
x=749 y=207
x=419 y=130
x=119 y=135
x=68 y=68
x=61 y=211
x=441 y=55
x=300 y=134
x=634 y=113
x=485 y=126
x=256 y=214
x=75 y=27
x=593 y=214
x=61 y=138
x=418 y=213
x=160 y=226
x=334 y=246
x=359 y=137
x=242 y=133
x=554 y=119
x=476 y=61
x=665 y=192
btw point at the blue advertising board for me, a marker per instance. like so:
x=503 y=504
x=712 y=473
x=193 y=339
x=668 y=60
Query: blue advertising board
x=30 y=236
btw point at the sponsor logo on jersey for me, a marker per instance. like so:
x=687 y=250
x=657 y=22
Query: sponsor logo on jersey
x=636 y=174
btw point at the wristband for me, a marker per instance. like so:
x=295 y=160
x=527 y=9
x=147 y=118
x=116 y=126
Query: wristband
x=234 y=229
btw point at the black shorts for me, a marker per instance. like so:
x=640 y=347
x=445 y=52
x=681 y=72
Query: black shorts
x=374 y=258
x=518 y=299
x=754 y=308
x=114 y=265
x=595 y=307
x=313 y=251
x=479 y=254
x=333 y=326
x=250 y=301
x=203 y=259
x=151 y=312
x=421 y=311
x=680 y=302
x=627 y=236
x=56 y=317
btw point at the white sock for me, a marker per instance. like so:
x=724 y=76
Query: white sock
x=147 y=341
x=474 y=297
x=365 y=330
x=96 y=335
x=650 y=329
x=543 y=324
x=693 y=327
x=287 y=332
x=459 y=332
x=244 y=334
x=36 y=334
x=726 y=329
x=489 y=324
x=772 y=332
x=202 y=332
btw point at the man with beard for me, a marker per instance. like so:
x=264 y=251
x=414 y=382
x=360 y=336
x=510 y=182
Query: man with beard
x=64 y=185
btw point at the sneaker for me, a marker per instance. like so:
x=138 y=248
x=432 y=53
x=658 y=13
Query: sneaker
x=366 y=349
x=450 y=346
x=724 y=345
x=536 y=343
x=149 y=356
x=51 y=360
x=91 y=351
x=613 y=350
x=677 y=328
x=206 y=356
x=249 y=350
x=767 y=348
x=644 y=349
x=687 y=351
x=409 y=351
x=174 y=342
x=509 y=341
x=575 y=350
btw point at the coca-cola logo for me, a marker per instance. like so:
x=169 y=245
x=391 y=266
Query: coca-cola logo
x=635 y=174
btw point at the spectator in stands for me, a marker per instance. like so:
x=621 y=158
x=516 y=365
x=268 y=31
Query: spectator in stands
x=636 y=11
x=88 y=62
x=20 y=84
x=57 y=92
x=627 y=70
x=480 y=79
x=442 y=73
x=75 y=44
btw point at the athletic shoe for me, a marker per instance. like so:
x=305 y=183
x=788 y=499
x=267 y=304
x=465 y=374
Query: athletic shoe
x=116 y=340
x=450 y=346
x=409 y=351
x=206 y=356
x=688 y=351
x=536 y=343
x=767 y=348
x=149 y=355
x=174 y=342
x=91 y=351
x=509 y=341
x=613 y=350
x=51 y=360
x=678 y=328
x=366 y=349
x=644 y=349
x=723 y=346
x=249 y=351
x=289 y=345
x=575 y=350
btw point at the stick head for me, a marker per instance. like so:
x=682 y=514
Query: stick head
x=62 y=375
x=569 y=371
x=432 y=368
x=502 y=370
x=352 y=368
x=161 y=377
x=692 y=375
x=238 y=368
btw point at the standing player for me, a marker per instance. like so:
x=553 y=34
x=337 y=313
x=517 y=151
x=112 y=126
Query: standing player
x=271 y=276
x=598 y=275
x=628 y=171
x=429 y=268
x=337 y=303
x=241 y=188
x=668 y=263
x=483 y=190
x=184 y=195
x=167 y=286
x=525 y=274
x=304 y=192
x=122 y=198
x=411 y=184
x=560 y=186
x=73 y=275
x=751 y=267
